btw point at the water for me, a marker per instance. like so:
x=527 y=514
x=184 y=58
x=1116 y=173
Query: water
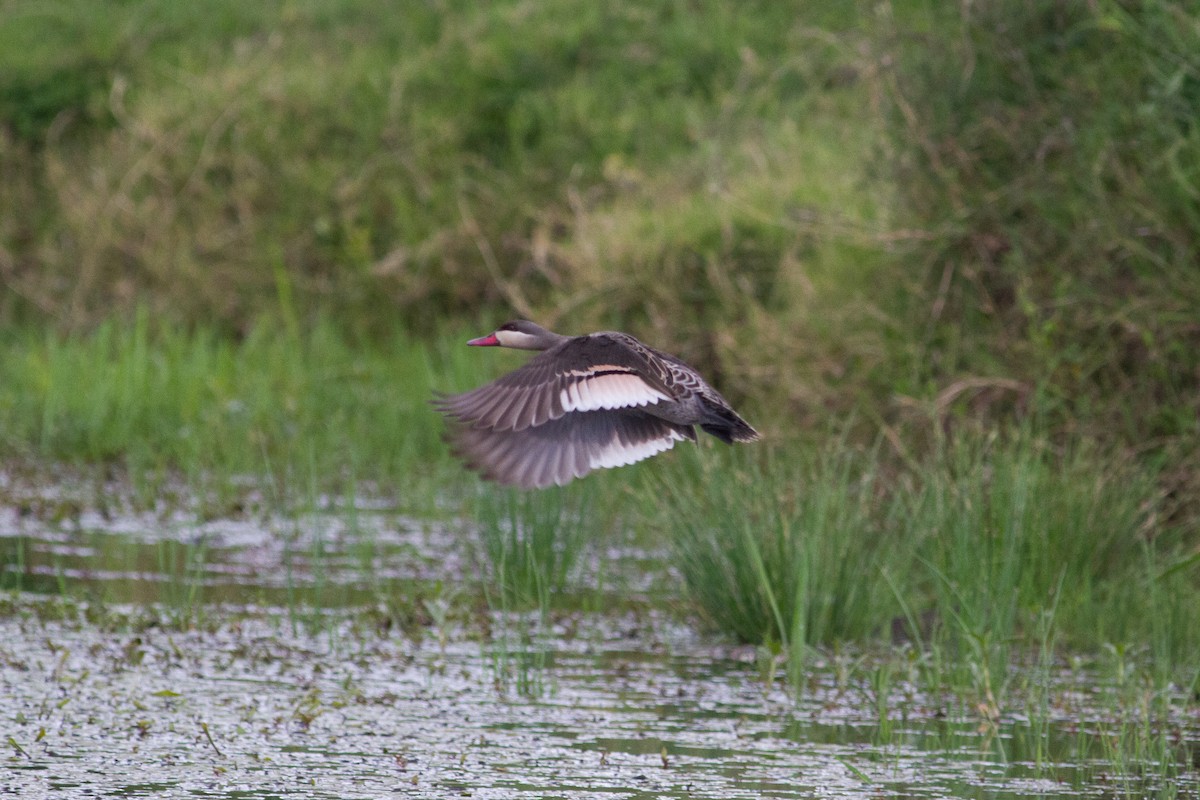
x=632 y=707
x=279 y=684
x=340 y=554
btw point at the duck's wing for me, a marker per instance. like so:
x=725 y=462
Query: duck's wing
x=587 y=373
x=718 y=418
x=566 y=448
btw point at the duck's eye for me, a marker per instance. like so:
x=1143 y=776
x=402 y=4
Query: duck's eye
x=508 y=326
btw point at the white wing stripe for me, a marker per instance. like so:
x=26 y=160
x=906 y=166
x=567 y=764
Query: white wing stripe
x=586 y=396
x=615 y=388
x=604 y=391
x=594 y=392
x=617 y=454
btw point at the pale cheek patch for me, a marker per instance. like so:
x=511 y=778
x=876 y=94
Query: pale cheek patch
x=597 y=389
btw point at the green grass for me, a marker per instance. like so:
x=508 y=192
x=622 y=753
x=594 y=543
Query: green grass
x=393 y=167
x=385 y=158
x=775 y=550
x=985 y=546
x=293 y=408
x=1050 y=157
x=893 y=202
x=993 y=548
x=532 y=542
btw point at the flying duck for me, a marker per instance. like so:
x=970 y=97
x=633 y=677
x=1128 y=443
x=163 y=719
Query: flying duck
x=584 y=403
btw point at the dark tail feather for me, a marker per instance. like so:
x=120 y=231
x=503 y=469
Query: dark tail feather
x=727 y=426
x=718 y=431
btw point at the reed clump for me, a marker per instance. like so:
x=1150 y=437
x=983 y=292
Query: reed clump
x=530 y=545
x=988 y=549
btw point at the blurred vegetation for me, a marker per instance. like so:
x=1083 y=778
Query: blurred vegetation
x=1051 y=154
x=994 y=542
x=894 y=208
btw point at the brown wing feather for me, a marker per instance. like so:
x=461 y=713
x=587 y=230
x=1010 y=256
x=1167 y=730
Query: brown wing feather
x=534 y=393
x=564 y=449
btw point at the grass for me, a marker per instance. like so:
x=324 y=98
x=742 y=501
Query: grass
x=382 y=158
x=774 y=552
x=894 y=202
x=987 y=543
x=531 y=542
x=292 y=410
x=390 y=168
x=994 y=548
x=1050 y=180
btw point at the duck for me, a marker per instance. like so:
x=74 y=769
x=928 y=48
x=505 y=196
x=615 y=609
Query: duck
x=596 y=401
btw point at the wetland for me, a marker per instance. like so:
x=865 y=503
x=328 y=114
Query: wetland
x=942 y=256
x=356 y=651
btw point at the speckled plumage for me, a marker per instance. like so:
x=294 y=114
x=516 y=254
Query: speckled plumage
x=585 y=402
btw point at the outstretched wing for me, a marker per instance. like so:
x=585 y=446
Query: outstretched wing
x=562 y=449
x=587 y=373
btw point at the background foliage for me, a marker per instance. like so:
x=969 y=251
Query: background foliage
x=913 y=211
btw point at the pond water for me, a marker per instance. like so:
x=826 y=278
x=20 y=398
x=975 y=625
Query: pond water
x=268 y=692
x=634 y=707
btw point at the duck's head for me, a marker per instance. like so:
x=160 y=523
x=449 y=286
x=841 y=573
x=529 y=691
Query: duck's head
x=520 y=334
